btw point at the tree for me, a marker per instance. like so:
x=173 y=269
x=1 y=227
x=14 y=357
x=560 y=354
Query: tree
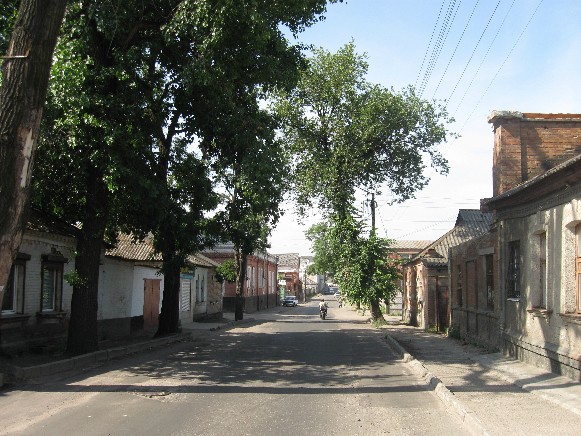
x=156 y=76
x=348 y=134
x=254 y=178
x=23 y=86
x=96 y=118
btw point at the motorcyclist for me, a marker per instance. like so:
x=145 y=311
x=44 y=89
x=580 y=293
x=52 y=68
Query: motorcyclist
x=323 y=305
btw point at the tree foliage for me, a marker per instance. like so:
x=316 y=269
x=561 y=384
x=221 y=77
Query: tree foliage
x=348 y=134
x=146 y=81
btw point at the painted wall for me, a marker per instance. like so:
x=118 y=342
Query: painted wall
x=553 y=332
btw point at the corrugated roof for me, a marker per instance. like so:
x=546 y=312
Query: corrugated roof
x=130 y=249
x=201 y=260
x=41 y=221
x=470 y=224
x=288 y=259
x=409 y=245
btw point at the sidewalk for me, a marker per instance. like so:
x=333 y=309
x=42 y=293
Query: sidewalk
x=492 y=394
x=30 y=366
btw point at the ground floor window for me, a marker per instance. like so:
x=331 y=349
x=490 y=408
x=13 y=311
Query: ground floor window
x=14 y=293
x=513 y=270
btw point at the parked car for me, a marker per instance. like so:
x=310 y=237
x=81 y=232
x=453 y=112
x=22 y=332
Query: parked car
x=337 y=294
x=290 y=300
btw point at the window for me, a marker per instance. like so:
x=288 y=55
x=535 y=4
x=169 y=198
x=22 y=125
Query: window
x=186 y=295
x=14 y=293
x=578 y=266
x=459 y=285
x=52 y=287
x=543 y=270
x=489 y=281
x=513 y=270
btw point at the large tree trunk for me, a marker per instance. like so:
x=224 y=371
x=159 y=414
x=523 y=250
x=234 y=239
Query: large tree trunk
x=25 y=73
x=169 y=318
x=240 y=261
x=83 y=333
x=375 y=309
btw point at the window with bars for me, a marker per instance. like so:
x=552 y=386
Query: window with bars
x=489 y=265
x=14 y=292
x=543 y=270
x=52 y=287
x=578 y=267
x=459 y=285
x=513 y=270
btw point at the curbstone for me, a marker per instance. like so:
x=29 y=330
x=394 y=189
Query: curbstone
x=468 y=417
x=114 y=353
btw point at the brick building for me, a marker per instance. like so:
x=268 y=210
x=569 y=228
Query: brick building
x=517 y=287
x=260 y=287
x=426 y=278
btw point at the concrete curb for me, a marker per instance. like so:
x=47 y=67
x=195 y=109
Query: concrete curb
x=231 y=324
x=468 y=417
x=91 y=359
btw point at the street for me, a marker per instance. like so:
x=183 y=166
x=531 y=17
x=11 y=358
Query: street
x=289 y=373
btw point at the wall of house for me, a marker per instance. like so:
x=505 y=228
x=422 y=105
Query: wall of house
x=415 y=294
x=259 y=293
x=526 y=145
x=548 y=336
x=215 y=295
x=140 y=273
x=29 y=327
x=199 y=300
x=115 y=298
x=475 y=316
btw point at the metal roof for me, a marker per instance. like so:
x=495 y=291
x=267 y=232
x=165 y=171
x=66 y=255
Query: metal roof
x=130 y=249
x=470 y=224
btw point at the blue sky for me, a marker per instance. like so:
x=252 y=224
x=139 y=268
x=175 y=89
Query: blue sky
x=522 y=55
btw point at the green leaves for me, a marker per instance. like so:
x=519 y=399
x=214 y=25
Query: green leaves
x=346 y=133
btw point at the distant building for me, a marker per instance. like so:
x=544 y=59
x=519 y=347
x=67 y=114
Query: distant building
x=426 y=279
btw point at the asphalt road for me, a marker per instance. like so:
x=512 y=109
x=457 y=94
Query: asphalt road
x=291 y=373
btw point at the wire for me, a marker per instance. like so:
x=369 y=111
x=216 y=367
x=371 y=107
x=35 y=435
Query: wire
x=456 y=48
x=502 y=65
x=429 y=43
x=443 y=35
x=474 y=51
x=485 y=56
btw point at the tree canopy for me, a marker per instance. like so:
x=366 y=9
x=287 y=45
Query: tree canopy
x=347 y=134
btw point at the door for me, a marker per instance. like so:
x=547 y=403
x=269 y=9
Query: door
x=442 y=303
x=151 y=303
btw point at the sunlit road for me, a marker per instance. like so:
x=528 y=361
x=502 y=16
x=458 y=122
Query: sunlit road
x=289 y=374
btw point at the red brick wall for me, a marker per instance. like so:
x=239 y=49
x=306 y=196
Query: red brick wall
x=527 y=145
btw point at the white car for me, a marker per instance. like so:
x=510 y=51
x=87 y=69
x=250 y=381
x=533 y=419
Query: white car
x=337 y=294
x=290 y=300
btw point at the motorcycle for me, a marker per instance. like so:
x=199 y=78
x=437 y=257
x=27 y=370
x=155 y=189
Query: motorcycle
x=323 y=312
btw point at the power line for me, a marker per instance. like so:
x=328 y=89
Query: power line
x=455 y=49
x=485 y=56
x=430 y=43
x=504 y=62
x=443 y=35
x=474 y=51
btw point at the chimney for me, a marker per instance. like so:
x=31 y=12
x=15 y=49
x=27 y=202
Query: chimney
x=528 y=144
